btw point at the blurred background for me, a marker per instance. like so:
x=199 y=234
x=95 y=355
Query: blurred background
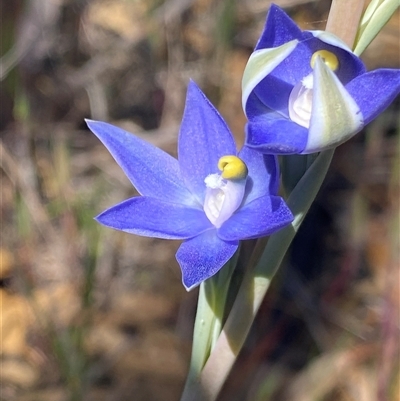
x=88 y=313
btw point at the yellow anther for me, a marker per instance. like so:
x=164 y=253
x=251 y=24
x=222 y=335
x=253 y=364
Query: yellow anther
x=232 y=168
x=327 y=57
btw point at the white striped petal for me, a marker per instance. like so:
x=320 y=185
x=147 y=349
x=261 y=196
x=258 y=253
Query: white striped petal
x=260 y=64
x=335 y=116
x=330 y=39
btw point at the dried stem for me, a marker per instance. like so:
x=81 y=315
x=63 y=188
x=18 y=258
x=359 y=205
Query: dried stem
x=344 y=18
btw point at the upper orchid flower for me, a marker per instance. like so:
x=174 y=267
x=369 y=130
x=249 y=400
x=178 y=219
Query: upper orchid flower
x=211 y=198
x=306 y=91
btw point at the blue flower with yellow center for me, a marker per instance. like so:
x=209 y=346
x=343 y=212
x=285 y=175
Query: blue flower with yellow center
x=306 y=91
x=211 y=197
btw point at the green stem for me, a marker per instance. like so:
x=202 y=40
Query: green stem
x=204 y=323
x=254 y=287
x=209 y=319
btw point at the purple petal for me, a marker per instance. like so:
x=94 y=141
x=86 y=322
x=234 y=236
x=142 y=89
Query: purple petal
x=279 y=29
x=259 y=218
x=203 y=256
x=204 y=138
x=152 y=171
x=263 y=175
x=374 y=91
x=271 y=133
x=155 y=218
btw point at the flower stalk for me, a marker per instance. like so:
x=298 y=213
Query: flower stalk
x=255 y=285
x=257 y=280
x=209 y=319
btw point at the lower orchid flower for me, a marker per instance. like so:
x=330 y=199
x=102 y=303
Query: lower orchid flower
x=211 y=197
x=306 y=91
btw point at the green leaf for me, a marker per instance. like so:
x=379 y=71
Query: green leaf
x=373 y=20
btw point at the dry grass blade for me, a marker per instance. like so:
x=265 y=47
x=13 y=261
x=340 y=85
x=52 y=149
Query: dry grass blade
x=20 y=178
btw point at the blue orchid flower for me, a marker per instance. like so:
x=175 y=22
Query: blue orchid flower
x=212 y=197
x=306 y=91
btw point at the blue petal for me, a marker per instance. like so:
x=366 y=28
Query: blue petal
x=279 y=29
x=274 y=92
x=263 y=177
x=155 y=218
x=275 y=88
x=261 y=64
x=152 y=171
x=292 y=69
x=374 y=91
x=272 y=133
x=259 y=218
x=255 y=107
x=350 y=65
x=203 y=256
x=204 y=138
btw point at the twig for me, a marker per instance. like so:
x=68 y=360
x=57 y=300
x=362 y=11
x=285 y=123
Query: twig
x=344 y=18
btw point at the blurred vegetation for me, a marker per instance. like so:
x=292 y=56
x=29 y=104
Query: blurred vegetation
x=92 y=314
